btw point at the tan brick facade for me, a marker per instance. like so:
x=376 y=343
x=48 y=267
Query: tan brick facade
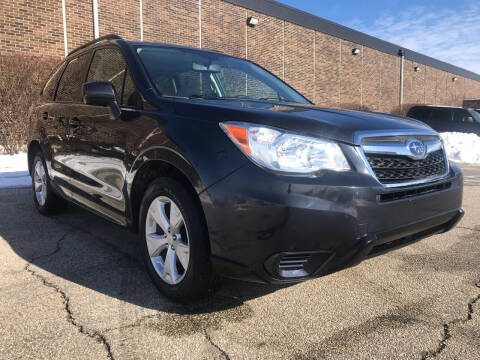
x=320 y=66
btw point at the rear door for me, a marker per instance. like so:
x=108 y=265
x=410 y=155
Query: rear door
x=441 y=119
x=62 y=114
x=49 y=125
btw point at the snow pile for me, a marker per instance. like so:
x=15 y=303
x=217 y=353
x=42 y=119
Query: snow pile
x=462 y=147
x=14 y=171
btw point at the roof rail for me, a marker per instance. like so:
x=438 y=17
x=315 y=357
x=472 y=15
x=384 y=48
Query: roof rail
x=94 y=41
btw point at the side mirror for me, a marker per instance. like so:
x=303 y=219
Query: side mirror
x=102 y=93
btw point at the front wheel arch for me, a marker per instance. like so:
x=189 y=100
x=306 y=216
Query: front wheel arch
x=151 y=171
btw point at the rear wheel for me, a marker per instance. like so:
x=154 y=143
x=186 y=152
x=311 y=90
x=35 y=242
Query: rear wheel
x=44 y=198
x=174 y=241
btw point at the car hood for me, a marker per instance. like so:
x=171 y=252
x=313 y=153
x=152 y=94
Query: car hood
x=341 y=125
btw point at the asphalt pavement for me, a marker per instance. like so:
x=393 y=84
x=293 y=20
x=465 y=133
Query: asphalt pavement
x=72 y=287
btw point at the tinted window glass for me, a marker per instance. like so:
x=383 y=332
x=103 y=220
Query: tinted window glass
x=475 y=114
x=462 y=116
x=419 y=114
x=70 y=86
x=442 y=115
x=194 y=73
x=108 y=65
x=131 y=96
x=51 y=84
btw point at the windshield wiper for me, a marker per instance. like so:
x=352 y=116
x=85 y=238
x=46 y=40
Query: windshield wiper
x=272 y=99
x=198 y=96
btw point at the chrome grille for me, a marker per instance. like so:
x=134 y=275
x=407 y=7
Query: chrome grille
x=392 y=163
x=398 y=168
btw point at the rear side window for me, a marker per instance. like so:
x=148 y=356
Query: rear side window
x=51 y=84
x=421 y=114
x=108 y=65
x=443 y=115
x=70 y=86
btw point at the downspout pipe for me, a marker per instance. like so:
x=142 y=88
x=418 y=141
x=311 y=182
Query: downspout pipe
x=96 y=32
x=402 y=62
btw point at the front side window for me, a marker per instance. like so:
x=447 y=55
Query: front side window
x=462 y=116
x=108 y=65
x=71 y=83
x=131 y=97
x=197 y=74
x=475 y=115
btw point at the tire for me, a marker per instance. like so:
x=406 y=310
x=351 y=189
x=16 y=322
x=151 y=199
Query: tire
x=45 y=199
x=171 y=222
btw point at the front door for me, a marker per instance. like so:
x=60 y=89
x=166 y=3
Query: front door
x=100 y=142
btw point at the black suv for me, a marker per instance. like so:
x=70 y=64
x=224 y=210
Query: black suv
x=223 y=168
x=447 y=118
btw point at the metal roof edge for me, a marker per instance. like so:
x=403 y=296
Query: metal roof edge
x=305 y=19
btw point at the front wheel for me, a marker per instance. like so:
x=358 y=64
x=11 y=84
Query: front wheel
x=174 y=241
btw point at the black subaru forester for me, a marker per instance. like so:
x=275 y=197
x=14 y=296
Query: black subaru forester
x=222 y=168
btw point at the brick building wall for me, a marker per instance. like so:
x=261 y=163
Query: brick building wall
x=320 y=66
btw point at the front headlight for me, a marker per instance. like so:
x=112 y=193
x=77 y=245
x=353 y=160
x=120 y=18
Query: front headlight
x=285 y=152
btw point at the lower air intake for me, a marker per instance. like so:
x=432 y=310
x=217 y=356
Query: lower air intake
x=296 y=265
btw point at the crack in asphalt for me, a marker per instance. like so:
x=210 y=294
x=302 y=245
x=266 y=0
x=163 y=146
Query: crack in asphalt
x=102 y=240
x=209 y=339
x=66 y=300
x=467 y=228
x=446 y=328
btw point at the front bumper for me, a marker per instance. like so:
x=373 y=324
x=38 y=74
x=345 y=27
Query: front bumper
x=270 y=228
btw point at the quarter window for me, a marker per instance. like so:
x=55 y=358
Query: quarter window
x=71 y=83
x=51 y=84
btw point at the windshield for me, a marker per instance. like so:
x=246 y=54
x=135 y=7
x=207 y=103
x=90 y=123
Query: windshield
x=191 y=73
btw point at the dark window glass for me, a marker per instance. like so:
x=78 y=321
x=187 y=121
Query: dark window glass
x=108 y=65
x=421 y=114
x=131 y=97
x=194 y=73
x=442 y=115
x=462 y=116
x=51 y=84
x=70 y=86
x=189 y=84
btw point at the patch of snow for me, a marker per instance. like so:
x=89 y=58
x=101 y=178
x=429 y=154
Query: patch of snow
x=462 y=147
x=14 y=171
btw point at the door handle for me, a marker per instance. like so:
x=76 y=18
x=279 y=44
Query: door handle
x=61 y=120
x=75 y=122
x=45 y=116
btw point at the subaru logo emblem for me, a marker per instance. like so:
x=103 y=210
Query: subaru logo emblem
x=416 y=148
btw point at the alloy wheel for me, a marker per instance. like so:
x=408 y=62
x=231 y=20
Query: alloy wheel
x=40 y=182
x=167 y=240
